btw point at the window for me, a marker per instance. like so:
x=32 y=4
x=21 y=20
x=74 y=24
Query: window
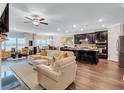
x=38 y=42
x=13 y=42
x=3 y=44
x=44 y=42
x=41 y=43
x=21 y=43
x=10 y=43
x=49 y=41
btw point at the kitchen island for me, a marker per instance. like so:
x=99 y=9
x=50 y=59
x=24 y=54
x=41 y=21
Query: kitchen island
x=84 y=55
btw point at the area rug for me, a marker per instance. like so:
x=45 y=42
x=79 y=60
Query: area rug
x=27 y=75
x=9 y=82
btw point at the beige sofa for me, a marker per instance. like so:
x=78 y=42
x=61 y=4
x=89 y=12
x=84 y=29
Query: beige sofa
x=46 y=59
x=38 y=57
x=59 y=75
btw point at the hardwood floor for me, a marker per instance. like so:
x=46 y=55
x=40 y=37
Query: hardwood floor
x=104 y=75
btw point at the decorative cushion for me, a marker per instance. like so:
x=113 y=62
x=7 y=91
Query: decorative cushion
x=57 y=57
x=43 y=53
x=62 y=62
x=37 y=57
x=65 y=54
x=52 y=62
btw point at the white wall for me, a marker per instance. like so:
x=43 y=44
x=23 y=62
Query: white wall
x=114 y=32
x=15 y=34
x=57 y=40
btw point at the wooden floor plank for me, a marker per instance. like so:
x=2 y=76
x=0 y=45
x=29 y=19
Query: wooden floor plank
x=104 y=75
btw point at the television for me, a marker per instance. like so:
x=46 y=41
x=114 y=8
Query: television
x=4 y=20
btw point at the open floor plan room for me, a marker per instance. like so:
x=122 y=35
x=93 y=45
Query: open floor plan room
x=62 y=46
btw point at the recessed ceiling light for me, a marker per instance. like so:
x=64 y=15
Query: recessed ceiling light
x=103 y=26
x=66 y=31
x=74 y=26
x=58 y=29
x=82 y=29
x=100 y=20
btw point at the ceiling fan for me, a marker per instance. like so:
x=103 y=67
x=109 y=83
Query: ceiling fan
x=36 y=20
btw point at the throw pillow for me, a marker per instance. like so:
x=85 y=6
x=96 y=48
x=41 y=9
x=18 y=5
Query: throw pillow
x=37 y=57
x=65 y=55
x=43 y=53
x=52 y=62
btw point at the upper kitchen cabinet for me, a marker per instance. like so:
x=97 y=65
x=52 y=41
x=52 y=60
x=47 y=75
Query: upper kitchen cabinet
x=101 y=36
x=94 y=37
x=78 y=38
x=91 y=38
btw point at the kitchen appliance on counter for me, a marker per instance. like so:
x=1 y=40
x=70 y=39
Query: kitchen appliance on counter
x=121 y=51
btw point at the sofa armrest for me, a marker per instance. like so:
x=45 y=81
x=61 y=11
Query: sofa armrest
x=47 y=71
x=47 y=57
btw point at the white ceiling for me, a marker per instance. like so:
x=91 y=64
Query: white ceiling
x=62 y=17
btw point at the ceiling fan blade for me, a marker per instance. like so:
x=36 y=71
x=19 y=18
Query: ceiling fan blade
x=41 y=19
x=44 y=23
x=28 y=18
x=27 y=22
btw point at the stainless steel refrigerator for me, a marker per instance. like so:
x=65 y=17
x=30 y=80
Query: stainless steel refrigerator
x=121 y=51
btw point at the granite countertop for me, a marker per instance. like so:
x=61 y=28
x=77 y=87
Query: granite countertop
x=88 y=49
x=84 y=49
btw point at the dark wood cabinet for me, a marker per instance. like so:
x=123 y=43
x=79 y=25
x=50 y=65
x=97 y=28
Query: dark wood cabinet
x=78 y=37
x=91 y=38
x=99 y=38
